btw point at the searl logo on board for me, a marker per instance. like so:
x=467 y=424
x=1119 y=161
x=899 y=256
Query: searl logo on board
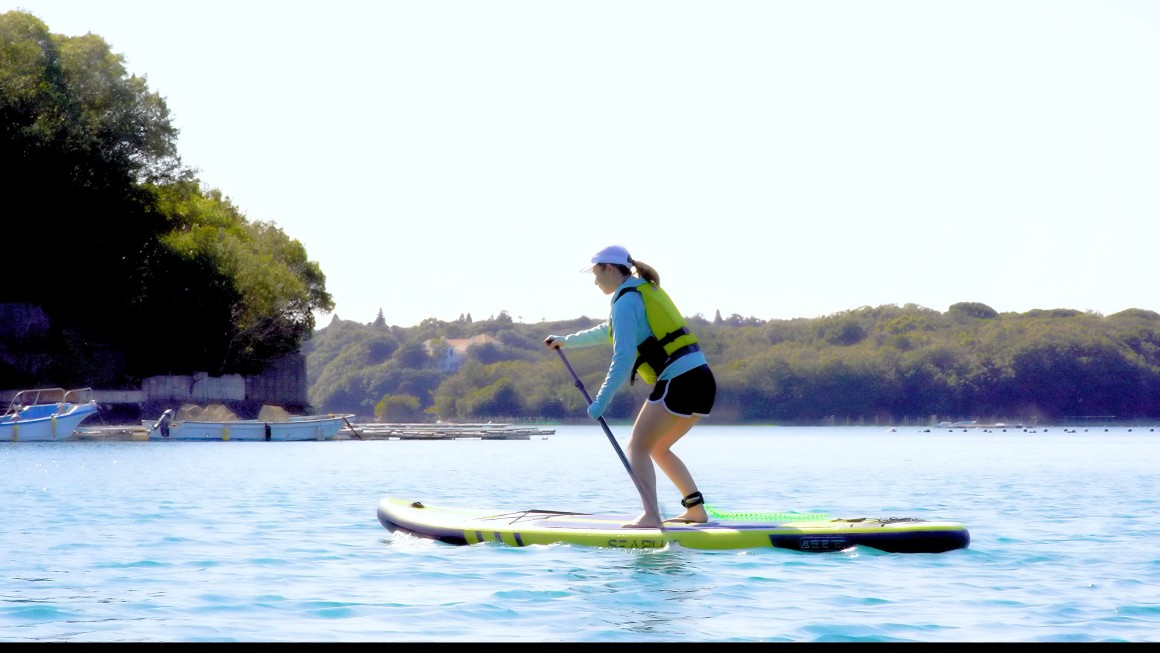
x=633 y=543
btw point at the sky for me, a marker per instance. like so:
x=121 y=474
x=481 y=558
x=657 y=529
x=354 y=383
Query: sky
x=771 y=159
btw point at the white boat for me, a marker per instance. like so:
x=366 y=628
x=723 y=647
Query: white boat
x=308 y=427
x=46 y=414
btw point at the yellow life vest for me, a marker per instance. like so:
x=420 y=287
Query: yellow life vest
x=670 y=338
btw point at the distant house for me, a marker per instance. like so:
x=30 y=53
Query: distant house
x=455 y=352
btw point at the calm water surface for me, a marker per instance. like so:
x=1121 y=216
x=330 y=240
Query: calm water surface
x=279 y=542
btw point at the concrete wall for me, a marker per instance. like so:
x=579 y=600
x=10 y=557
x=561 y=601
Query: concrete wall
x=198 y=388
x=282 y=384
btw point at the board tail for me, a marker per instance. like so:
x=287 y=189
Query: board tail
x=765 y=516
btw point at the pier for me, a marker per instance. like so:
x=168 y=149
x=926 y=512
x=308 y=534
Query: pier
x=488 y=431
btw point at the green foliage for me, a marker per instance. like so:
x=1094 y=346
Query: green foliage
x=398 y=409
x=972 y=310
x=1136 y=314
x=840 y=330
x=263 y=286
x=499 y=398
x=1055 y=312
x=413 y=356
x=91 y=152
x=488 y=353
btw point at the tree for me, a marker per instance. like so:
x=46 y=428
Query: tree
x=79 y=138
x=193 y=284
x=413 y=355
x=500 y=399
x=972 y=310
x=398 y=408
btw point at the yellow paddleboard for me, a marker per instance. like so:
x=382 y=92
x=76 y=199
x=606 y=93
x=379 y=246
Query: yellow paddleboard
x=809 y=532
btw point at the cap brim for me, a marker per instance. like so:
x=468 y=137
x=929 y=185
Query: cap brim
x=587 y=268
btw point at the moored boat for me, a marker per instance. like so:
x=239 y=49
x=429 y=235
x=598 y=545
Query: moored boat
x=46 y=414
x=306 y=427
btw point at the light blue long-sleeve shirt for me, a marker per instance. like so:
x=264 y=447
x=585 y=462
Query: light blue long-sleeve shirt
x=629 y=327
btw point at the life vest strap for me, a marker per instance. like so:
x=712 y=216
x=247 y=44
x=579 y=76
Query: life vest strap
x=687 y=349
x=673 y=335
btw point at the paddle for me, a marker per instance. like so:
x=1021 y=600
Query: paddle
x=604 y=425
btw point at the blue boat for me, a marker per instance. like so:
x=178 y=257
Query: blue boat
x=46 y=414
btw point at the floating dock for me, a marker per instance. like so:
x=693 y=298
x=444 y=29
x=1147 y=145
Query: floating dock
x=357 y=431
x=488 y=431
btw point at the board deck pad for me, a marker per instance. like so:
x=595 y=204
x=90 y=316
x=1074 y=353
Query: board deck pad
x=815 y=532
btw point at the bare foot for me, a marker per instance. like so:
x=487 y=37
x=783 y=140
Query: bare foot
x=644 y=521
x=694 y=515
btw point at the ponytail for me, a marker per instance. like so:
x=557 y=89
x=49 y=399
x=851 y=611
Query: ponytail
x=647 y=272
x=644 y=270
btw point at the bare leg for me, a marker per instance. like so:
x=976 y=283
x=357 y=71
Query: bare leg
x=654 y=432
x=675 y=469
x=639 y=446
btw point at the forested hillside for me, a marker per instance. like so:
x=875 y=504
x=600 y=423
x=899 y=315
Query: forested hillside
x=889 y=364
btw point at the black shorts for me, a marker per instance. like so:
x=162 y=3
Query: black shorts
x=688 y=394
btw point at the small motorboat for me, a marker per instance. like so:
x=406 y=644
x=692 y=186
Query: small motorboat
x=304 y=427
x=46 y=414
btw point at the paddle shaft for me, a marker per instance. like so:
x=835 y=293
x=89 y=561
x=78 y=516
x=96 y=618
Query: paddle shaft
x=603 y=424
x=611 y=439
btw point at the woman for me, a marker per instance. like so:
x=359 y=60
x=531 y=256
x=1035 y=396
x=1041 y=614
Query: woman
x=651 y=339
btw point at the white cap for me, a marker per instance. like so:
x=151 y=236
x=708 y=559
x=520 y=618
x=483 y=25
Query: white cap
x=614 y=254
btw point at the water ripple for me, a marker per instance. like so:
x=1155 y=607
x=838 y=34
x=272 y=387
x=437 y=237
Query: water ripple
x=246 y=542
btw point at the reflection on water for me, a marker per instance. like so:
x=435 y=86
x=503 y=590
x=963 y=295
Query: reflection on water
x=656 y=591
